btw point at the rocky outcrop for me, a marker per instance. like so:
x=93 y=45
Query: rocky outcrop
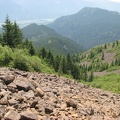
x=38 y=96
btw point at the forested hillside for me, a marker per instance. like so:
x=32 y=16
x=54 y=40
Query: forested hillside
x=104 y=62
x=89 y=27
x=42 y=36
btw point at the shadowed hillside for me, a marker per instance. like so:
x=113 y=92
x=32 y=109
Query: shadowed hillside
x=42 y=36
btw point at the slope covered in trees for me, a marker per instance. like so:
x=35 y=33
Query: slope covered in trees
x=89 y=27
x=104 y=62
x=42 y=36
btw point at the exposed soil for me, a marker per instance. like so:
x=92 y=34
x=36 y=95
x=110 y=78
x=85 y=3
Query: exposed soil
x=106 y=73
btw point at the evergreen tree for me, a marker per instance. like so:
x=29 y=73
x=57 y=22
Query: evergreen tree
x=116 y=61
x=117 y=42
x=69 y=63
x=31 y=48
x=43 y=53
x=76 y=72
x=91 y=55
x=57 y=63
x=12 y=35
x=60 y=69
x=26 y=43
x=85 y=76
x=64 y=65
x=102 y=56
x=7 y=34
x=50 y=58
x=113 y=45
x=105 y=46
x=91 y=77
x=0 y=39
x=17 y=35
x=113 y=63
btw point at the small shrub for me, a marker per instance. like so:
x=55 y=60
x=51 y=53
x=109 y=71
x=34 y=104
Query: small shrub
x=20 y=62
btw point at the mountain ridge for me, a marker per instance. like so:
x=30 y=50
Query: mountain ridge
x=89 y=27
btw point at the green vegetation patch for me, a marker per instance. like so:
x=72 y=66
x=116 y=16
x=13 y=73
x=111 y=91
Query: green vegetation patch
x=109 y=82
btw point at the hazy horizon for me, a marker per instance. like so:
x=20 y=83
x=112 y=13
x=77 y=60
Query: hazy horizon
x=21 y=10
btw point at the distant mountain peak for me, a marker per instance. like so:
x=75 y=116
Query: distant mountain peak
x=94 y=10
x=91 y=10
x=90 y=26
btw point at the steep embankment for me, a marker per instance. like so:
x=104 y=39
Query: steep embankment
x=37 y=96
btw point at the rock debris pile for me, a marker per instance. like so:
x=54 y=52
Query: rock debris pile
x=38 y=96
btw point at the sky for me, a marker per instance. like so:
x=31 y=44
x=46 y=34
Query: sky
x=47 y=9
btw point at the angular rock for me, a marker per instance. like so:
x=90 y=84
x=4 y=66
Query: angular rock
x=48 y=110
x=8 y=79
x=34 y=103
x=22 y=85
x=12 y=115
x=12 y=85
x=28 y=115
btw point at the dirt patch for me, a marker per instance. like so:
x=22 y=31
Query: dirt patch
x=106 y=73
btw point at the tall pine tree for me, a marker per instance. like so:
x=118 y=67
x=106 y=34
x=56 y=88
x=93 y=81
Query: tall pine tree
x=12 y=35
x=7 y=34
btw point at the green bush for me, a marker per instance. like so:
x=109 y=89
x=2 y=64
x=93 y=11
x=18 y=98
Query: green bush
x=6 y=56
x=21 y=62
x=35 y=63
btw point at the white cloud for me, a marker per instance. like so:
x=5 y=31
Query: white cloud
x=115 y=0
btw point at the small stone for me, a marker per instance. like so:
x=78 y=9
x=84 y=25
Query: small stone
x=39 y=92
x=48 y=110
x=70 y=103
x=34 y=103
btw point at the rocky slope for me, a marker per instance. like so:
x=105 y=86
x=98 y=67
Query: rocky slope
x=38 y=96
